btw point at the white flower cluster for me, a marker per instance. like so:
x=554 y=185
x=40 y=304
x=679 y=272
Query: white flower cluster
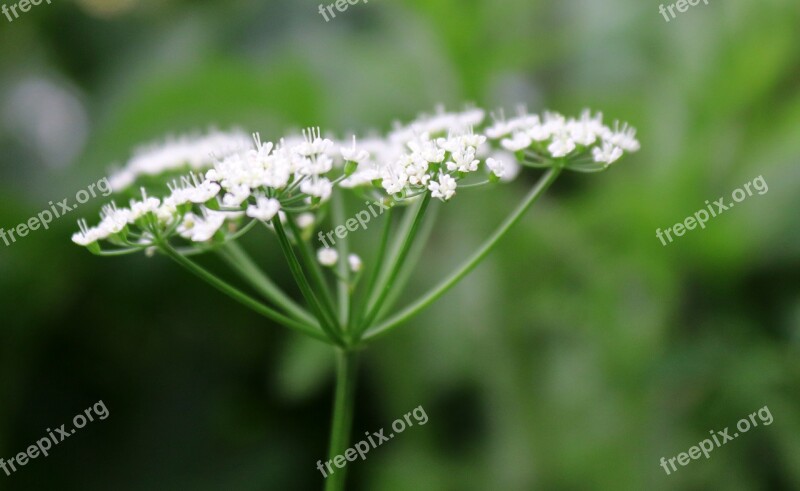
x=581 y=141
x=195 y=152
x=250 y=183
x=329 y=257
x=431 y=154
x=259 y=180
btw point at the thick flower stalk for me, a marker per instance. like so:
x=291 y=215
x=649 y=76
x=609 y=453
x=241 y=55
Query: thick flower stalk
x=199 y=194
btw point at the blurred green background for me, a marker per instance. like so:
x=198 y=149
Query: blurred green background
x=575 y=358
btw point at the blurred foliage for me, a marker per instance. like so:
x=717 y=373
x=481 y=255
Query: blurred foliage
x=581 y=353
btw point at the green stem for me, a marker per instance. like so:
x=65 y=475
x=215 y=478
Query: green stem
x=544 y=182
x=236 y=257
x=393 y=250
x=343 y=280
x=240 y=297
x=376 y=266
x=412 y=259
x=327 y=324
x=342 y=421
x=317 y=277
x=397 y=264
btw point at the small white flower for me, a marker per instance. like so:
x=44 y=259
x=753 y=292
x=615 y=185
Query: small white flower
x=201 y=229
x=204 y=192
x=261 y=154
x=355 y=263
x=114 y=219
x=444 y=188
x=318 y=187
x=394 y=178
x=87 y=235
x=499 y=129
x=511 y=167
x=264 y=209
x=353 y=154
x=416 y=168
x=472 y=140
x=423 y=148
x=523 y=123
x=314 y=144
x=518 y=141
x=141 y=208
x=464 y=160
x=147 y=239
x=167 y=211
x=554 y=122
x=315 y=165
x=305 y=220
x=236 y=196
x=327 y=256
x=609 y=154
x=496 y=166
x=584 y=131
x=178 y=196
x=539 y=132
x=624 y=138
x=562 y=145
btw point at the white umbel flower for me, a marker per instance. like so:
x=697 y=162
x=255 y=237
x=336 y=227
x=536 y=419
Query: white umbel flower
x=196 y=152
x=624 y=137
x=496 y=166
x=114 y=219
x=236 y=196
x=464 y=160
x=203 y=192
x=608 y=154
x=318 y=187
x=143 y=207
x=305 y=220
x=354 y=154
x=499 y=129
x=444 y=188
x=585 y=130
x=562 y=144
x=313 y=143
x=394 y=178
x=88 y=235
x=518 y=141
x=434 y=154
x=355 y=263
x=264 y=209
x=511 y=167
x=327 y=256
x=562 y=138
x=201 y=228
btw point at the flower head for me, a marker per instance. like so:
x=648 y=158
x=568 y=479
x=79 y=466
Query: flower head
x=234 y=180
x=355 y=263
x=444 y=188
x=264 y=209
x=327 y=256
